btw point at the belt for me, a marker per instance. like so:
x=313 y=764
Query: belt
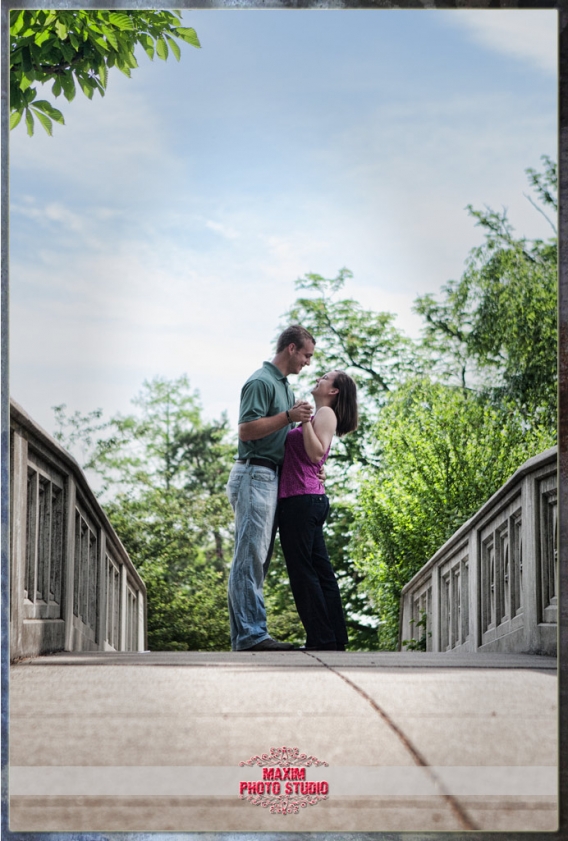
x=259 y=462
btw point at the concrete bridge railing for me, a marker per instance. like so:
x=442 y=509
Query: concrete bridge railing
x=493 y=586
x=73 y=586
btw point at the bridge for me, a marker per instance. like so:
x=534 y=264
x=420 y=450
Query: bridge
x=108 y=737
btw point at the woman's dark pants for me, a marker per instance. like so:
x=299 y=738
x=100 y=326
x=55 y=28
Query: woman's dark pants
x=313 y=582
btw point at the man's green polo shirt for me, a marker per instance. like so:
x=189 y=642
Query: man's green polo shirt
x=265 y=393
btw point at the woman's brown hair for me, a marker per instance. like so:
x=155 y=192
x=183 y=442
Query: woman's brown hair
x=345 y=406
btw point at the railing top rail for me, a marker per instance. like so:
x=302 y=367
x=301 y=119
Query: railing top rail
x=530 y=466
x=19 y=417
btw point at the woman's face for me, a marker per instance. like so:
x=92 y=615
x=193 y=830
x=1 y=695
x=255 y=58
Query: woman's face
x=324 y=384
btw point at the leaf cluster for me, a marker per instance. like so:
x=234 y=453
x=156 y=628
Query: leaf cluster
x=76 y=48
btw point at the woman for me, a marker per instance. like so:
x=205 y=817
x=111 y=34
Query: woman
x=303 y=508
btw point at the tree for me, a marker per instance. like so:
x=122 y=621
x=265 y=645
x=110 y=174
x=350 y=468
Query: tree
x=163 y=472
x=364 y=343
x=77 y=47
x=495 y=328
x=444 y=451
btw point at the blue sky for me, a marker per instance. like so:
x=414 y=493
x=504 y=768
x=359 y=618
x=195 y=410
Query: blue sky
x=160 y=231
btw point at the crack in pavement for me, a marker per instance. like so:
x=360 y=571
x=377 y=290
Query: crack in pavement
x=456 y=807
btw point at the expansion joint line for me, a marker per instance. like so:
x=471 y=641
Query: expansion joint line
x=456 y=807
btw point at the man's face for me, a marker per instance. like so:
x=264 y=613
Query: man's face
x=300 y=357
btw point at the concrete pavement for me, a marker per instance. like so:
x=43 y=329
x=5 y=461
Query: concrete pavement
x=410 y=741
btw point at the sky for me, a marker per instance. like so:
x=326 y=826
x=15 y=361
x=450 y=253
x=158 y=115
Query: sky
x=161 y=230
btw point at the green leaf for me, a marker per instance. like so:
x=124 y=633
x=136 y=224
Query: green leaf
x=47 y=108
x=174 y=47
x=101 y=46
x=103 y=74
x=27 y=64
x=86 y=87
x=121 y=20
x=41 y=37
x=15 y=118
x=67 y=50
x=161 y=48
x=74 y=41
x=124 y=68
x=110 y=36
x=147 y=43
x=25 y=83
x=45 y=121
x=56 y=88
x=61 y=29
x=188 y=35
x=29 y=122
x=68 y=85
x=16 y=21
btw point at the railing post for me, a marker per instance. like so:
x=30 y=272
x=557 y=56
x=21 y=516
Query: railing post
x=69 y=569
x=102 y=594
x=473 y=551
x=531 y=555
x=123 y=601
x=18 y=515
x=436 y=609
x=141 y=641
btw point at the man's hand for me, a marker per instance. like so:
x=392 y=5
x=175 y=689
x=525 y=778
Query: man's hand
x=321 y=475
x=301 y=411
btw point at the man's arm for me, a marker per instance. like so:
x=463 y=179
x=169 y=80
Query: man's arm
x=260 y=428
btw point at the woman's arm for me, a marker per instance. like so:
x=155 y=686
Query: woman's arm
x=317 y=436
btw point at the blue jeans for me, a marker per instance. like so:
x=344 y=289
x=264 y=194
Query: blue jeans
x=253 y=494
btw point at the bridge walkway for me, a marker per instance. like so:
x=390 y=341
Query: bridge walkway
x=120 y=742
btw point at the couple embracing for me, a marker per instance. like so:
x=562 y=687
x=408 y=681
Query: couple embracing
x=277 y=482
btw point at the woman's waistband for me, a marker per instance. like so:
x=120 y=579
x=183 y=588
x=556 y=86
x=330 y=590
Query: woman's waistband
x=304 y=497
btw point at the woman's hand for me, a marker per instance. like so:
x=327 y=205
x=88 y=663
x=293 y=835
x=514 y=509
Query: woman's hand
x=301 y=411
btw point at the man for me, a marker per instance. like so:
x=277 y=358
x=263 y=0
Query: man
x=266 y=412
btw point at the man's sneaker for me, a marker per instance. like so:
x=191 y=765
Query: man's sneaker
x=270 y=645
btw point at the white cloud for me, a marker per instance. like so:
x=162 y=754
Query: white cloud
x=528 y=34
x=219 y=228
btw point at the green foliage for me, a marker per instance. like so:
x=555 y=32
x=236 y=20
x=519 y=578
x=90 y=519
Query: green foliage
x=444 y=452
x=77 y=47
x=163 y=472
x=496 y=327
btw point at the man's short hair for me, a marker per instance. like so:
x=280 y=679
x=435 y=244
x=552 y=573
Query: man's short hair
x=293 y=335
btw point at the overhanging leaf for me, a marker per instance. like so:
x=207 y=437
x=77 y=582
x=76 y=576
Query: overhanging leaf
x=103 y=74
x=45 y=121
x=121 y=20
x=110 y=36
x=174 y=47
x=15 y=118
x=61 y=29
x=161 y=48
x=29 y=122
x=68 y=85
x=47 y=108
x=188 y=35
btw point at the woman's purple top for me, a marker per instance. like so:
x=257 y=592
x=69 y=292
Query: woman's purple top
x=298 y=475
